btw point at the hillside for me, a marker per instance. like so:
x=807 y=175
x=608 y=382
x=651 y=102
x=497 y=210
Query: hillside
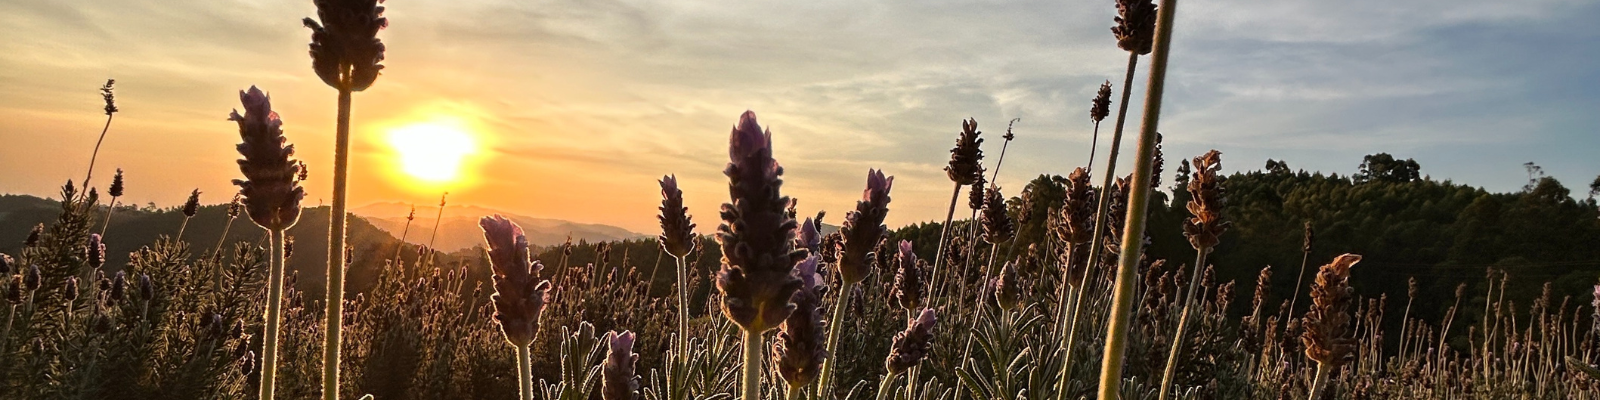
x=459 y=228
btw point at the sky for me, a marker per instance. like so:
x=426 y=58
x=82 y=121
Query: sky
x=576 y=107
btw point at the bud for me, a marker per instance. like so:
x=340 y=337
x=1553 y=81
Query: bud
x=619 y=380
x=912 y=345
x=192 y=206
x=95 y=251
x=677 y=227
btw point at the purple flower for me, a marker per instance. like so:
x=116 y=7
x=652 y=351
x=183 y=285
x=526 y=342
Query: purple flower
x=913 y=344
x=677 y=229
x=520 y=294
x=757 y=234
x=800 y=345
x=620 y=381
x=863 y=228
x=271 y=192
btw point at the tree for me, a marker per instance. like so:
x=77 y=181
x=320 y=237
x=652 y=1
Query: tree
x=1383 y=167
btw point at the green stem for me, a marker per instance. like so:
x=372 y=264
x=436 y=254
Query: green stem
x=885 y=385
x=525 y=372
x=650 y=285
x=1183 y=324
x=269 y=341
x=794 y=393
x=181 y=228
x=835 y=327
x=1138 y=203
x=753 y=344
x=944 y=232
x=1095 y=142
x=1064 y=294
x=1096 y=245
x=683 y=306
x=1319 y=384
x=224 y=238
x=109 y=210
x=977 y=313
x=95 y=155
x=1304 y=256
x=336 y=246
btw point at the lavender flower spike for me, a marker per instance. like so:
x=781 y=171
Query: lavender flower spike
x=519 y=292
x=677 y=228
x=798 y=350
x=863 y=228
x=756 y=235
x=270 y=191
x=908 y=278
x=911 y=345
x=620 y=381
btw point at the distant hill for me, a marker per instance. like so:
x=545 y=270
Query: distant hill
x=459 y=227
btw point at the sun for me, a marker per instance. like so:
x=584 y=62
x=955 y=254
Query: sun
x=432 y=152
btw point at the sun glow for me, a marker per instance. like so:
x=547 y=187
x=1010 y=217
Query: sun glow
x=432 y=152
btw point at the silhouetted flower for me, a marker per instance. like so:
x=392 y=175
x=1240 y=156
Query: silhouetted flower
x=677 y=228
x=108 y=92
x=116 y=184
x=964 y=165
x=345 y=50
x=32 y=279
x=756 y=235
x=863 y=228
x=810 y=237
x=33 y=236
x=1328 y=337
x=997 y=225
x=95 y=251
x=519 y=292
x=977 y=194
x=1136 y=25
x=1007 y=287
x=271 y=191
x=1100 y=107
x=192 y=205
x=147 y=290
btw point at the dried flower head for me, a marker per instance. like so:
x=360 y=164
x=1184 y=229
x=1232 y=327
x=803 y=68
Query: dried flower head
x=14 y=290
x=1075 y=224
x=677 y=228
x=756 y=235
x=1008 y=136
x=1205 y=228
x=95 y=251
x=912 y=345
x=908 y=278
x=345 y=50
x=997 y=225
x=800 y=346
x=108 y=92
x=863 y=228
x=964 y=165
x=1100 y=107
x=116 y=184
x=271 y=191
x=33 y=236
x=1310 y=236
x=235 y=206
x=1136 y=25
x=1328 y=336
x=1007 y=287
x=976 y=195
x=520 y=294
x=619 y=380
x=192 y=205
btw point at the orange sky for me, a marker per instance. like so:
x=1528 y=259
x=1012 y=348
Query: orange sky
x=578 y=106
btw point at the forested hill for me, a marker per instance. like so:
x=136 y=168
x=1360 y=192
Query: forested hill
x=1404 y=224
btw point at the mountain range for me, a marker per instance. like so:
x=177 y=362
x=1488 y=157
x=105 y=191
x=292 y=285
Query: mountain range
x=458 y=229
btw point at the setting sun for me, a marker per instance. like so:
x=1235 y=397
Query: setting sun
x=431 y=152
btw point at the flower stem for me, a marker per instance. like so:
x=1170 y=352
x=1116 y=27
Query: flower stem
x=1119 y=323
x=977 y=312
x=1319 y=384
x=96 y=154
x=885 y=385
x=1305 y=256
x=525 y=371
x=683 y=306
x=794 y=393
x=109 y=209
x=181 y=228
x=269 y=341
x=1101 y=205
x=336 y=237
x=944 y=233
x=753 y=344
x=835 y=326
x=1183 y=324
